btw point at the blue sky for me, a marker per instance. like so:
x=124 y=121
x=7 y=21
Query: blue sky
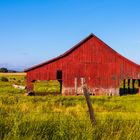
x=33 y=31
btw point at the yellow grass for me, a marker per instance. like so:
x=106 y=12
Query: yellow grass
x=9 y=74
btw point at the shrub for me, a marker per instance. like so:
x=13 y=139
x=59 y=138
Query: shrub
x=4 y=79
x=19 y=81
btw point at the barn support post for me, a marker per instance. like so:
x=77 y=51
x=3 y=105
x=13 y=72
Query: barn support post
x=30 y=87
x=82 y=83
x=75 y=85
x=91 y=112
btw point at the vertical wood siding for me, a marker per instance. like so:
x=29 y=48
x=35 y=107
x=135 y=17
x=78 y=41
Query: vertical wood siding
x=101 y=66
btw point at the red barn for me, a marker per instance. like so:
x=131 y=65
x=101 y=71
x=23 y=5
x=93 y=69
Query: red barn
x=104 y=70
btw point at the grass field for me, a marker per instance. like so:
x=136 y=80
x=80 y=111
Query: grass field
x=65 y=118
x=13 y=74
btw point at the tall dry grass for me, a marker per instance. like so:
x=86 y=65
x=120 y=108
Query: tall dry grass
x=66 y=118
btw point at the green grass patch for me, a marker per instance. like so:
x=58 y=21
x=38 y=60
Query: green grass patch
x=52 y=86
x=6 y=86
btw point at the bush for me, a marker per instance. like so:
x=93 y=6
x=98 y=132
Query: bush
x=19 y=81
x=4 y=79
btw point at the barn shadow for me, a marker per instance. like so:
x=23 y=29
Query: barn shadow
x=129 y=86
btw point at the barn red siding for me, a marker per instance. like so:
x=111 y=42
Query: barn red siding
x=101 y=66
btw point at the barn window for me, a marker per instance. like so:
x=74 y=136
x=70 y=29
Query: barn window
x=59 y=74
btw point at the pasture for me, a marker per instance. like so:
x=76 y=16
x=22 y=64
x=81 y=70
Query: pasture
x=65 y=117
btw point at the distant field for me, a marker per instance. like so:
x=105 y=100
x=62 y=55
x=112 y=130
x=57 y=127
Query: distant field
x=13 y=78
x=4 y=74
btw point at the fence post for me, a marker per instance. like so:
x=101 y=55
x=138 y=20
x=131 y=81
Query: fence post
x=91 y=112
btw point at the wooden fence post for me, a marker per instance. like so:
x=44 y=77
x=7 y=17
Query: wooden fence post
x=91 y=112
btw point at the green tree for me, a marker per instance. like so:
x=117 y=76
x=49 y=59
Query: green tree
x=3 y=70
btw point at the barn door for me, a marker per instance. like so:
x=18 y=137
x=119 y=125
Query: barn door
x=59 y=78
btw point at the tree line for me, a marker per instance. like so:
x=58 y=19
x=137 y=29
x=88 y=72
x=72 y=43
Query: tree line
x=5 y=70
